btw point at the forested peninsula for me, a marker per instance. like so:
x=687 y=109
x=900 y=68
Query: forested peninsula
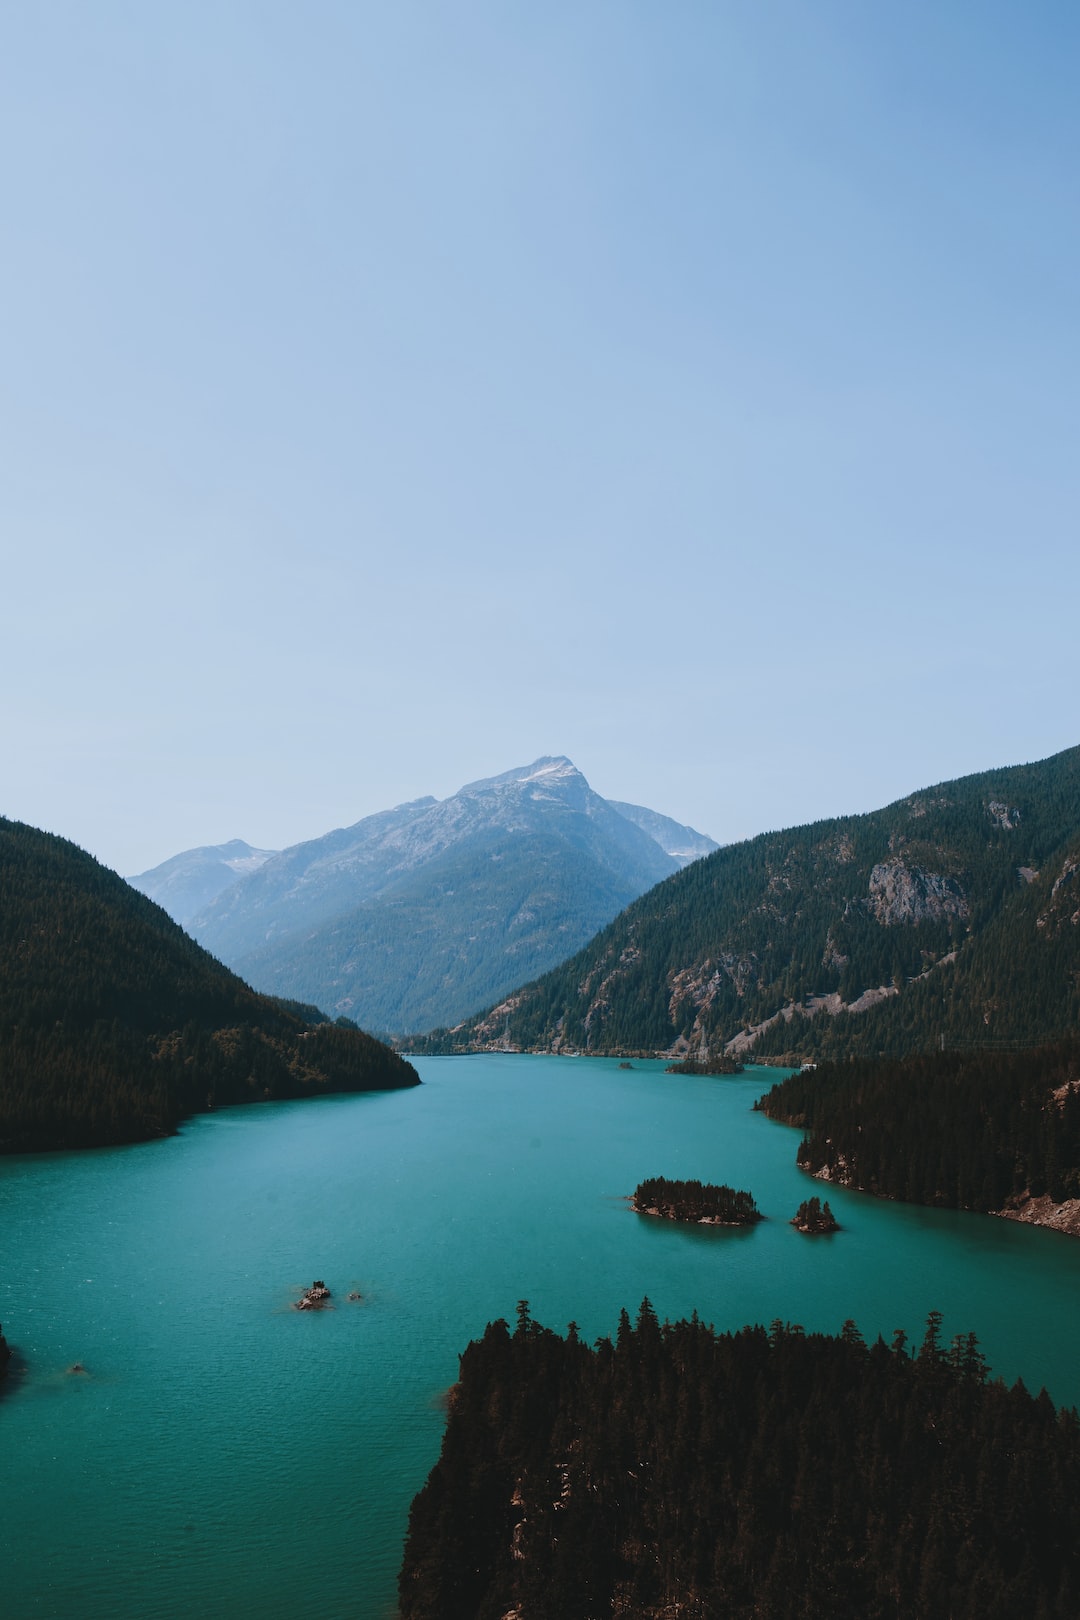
x=760 y=1475
x=114 y=1025
x=950 y=913
x=995 y=1131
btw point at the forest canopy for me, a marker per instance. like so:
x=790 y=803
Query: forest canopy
x=964 y=1130
x=695 y=1201
x=760 y=1475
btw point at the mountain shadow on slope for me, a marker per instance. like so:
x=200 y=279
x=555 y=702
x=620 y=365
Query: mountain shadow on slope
x=452 y=937
x=422 y=914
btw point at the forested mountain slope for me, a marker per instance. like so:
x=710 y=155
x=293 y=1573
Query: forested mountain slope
x=954 y=913
x=114 y=1024
x=451 y=937
x=422 y=914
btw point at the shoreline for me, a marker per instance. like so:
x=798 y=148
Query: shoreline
x=690 y=1220
x=1043 y=1211
x=1024 y=1208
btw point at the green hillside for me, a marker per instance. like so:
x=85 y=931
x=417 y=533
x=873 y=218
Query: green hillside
x=951 y=914
x=114 y=1024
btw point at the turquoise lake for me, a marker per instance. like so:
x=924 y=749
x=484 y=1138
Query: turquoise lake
x=226 y=1456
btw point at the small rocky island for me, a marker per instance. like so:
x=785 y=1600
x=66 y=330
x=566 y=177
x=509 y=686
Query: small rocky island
x=813 y=1216
x=315 y=1298
x=698 y=1201
x=5 y=1353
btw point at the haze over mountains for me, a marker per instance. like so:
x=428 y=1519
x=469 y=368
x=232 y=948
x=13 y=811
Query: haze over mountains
x=951 y=915
x=186 y=883
x=419 y=915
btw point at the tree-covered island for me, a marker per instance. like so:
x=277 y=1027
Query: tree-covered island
x=698 y=1201
x=813 y=1217
x=758 y=1475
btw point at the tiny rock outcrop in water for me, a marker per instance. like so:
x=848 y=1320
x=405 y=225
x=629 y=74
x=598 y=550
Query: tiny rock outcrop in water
x=5 y=1353
x=315 y=1298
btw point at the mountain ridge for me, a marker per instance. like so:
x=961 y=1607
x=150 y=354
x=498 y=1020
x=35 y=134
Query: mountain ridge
x=422 y=913
x=916 y=922
x=185 y=883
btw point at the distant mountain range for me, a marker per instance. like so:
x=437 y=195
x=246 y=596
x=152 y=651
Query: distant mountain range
x=114 y=1024
x=421 y=914
x=187 y=883
x=952 y=916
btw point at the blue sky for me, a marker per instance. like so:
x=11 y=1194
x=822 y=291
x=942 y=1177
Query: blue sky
x=392 y=394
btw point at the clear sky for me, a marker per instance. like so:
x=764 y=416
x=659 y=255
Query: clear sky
x=392 y=393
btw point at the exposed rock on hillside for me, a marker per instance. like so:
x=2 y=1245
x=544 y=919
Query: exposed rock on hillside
x=901 y=894
x=1044 y=1211
x=1063 y=897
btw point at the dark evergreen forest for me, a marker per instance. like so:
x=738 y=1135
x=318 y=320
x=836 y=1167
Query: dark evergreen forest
x=114 y=1025
x=814 y=1217
x=756 y=1476
x=695 y=1201
x=966 y=1130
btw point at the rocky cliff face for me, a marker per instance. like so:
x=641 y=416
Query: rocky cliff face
x=1064 y=905
x=899 y=894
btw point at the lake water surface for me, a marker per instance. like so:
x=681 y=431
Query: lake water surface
x=226 y=1456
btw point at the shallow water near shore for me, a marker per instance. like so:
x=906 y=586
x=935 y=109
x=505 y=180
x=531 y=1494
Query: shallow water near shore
x=226 y=1455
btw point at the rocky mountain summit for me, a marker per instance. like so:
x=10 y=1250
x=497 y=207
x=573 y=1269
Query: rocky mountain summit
x=419 y=914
